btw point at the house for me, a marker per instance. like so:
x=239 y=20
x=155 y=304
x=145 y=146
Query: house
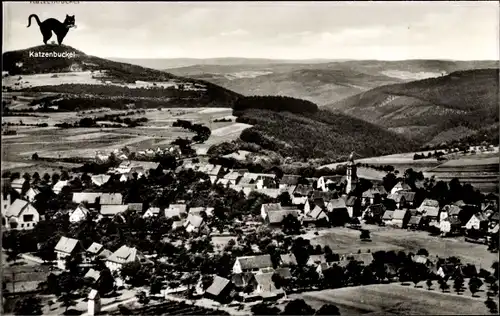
x=79 y=214
x=324 y=181
x=478 y=221
x=415 y=222
x=252 y=264
x=362 y=258
x=66 y=247
x=429 y=209
x=372 y=196
x=31 y=194
x=450 y=226
x=317 y=215
x=59 y=186
x=387 y=217
x=400 y=186
x=400 y=218
x=100 y=179
x=151 y=212
x=273 y=193
x=402 y=199
x=298 y=200
x=449 y=211
x=6 y=202
x=289 y=180
x=219 y=290
x=177 y=224
x=86 y=197
x=265 y=283
x=287 y=260
x=93 y=251
x=194 y=223
x=285 y=272
x=276 y=217
x=420 y=259
x=135 y=207
x=241 y=280
x=124 y=255
x=111 y=199
x=374 y=213
x=20 y=215
x=112 y=210
x=231 y=178
x=93 y=274
x=176 y=210
x=200 y=210
x=336 y=204
x=314 y=260
x=269 y=207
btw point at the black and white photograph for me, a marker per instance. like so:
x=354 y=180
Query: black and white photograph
x=250 y=158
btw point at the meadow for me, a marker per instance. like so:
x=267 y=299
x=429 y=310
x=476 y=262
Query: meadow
x=394 y=299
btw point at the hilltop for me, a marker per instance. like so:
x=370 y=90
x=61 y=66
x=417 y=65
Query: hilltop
x=434 y=110
x=89 y=80
x=321 y=82
x=311 y=132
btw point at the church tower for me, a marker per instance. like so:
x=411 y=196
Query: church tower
x=352 y=176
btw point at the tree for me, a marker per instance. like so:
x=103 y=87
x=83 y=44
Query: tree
x=429 y=284
x=443 y=285
x=474 y=285
x=458 y=284
x=423 y=252
x=365 y=235
x=291 y=225
x=495 y=266
x=34 y=156
x=67 y=284
x=491 y=305
x=28 y=305
x=264 y=309
x=106 y=282
x=285 y=199
x=328 y=309
x=14 y=247
x=156 y=285
x=142 y=297
x=298 y=307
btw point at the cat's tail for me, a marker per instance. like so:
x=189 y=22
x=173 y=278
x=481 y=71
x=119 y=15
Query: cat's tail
x=33 y=16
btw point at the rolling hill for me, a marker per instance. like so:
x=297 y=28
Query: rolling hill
x=434 y=110
x=297 y=128
x=87 y=82
x=321 y=82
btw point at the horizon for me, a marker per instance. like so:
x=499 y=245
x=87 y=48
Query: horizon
x=460 y=31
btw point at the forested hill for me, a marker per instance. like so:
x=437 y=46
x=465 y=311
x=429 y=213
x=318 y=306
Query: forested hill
x=95 y=82
x=433 y=111
x=308 y=132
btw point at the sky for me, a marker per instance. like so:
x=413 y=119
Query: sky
x=275 y=30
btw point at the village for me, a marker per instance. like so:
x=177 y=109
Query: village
x=186 y=236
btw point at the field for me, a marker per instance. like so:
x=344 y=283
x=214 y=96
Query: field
x=344 y=240
x=395 y=299
x=85 y=142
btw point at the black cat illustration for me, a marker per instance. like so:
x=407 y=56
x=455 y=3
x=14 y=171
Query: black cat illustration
x=52 y=25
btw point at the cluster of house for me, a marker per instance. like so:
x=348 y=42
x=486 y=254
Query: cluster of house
x=123 y=154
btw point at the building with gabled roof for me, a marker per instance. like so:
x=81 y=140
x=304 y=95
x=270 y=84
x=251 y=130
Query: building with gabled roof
x=100 y=179
x=111 y=199
x=429 y=208
x=31 y=194
x=80 y=213
x=194 y=223
x=478 y=221
x=265 y=209
x=122 y=256
x=219 y=290
x=86 y=197
x=400 y=218
x=112 y=210
x=176 y=210
x=276 y=217
x=252 y=263
x=66 y=247
x=57 y=188
x=20 y=215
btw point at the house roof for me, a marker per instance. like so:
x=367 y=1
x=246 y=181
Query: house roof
x=33 y=192
x=124 y=254
x=154 y=210
x=59 y=185
x=326 y=196
x=269 y=207
x=274 y=193
x=82 y=209
x=336 y=204
x=111 y=199
x=408 y=195
x=452 y=209
x=181 y=208
x=265 y=280
x=93 y=294
x=241 y=279
x=105 y=253
x=135 y=207
x=66 y=245
x=317 y=213
x=285 y=272
x=258 y=175
x=415 y=220
x=364 y=258
x=16 y=208
x=303 y=190
x=370 y=193
x=481 y=217
x=402 y=186
x=289 y=179
x=255 y=262
x=94 y=274
x=113 y=209
x=388 y=215
x=429 y=208
x=218 y=285
x=278 y=216
x=89 y=197
x=351 y=201
x=100 y=179
x=377 y=209
x=95 y=248
x=299 y=200
x=317 y=259
x=232 y=175
x=396 y=197
x=399 y=214
x=195 y=220
x=288 y=259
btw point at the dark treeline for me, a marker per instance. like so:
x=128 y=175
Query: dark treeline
x=202 y=132
x=275 y=103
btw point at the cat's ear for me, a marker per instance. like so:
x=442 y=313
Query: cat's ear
x=73 y=16
x=67 y=16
